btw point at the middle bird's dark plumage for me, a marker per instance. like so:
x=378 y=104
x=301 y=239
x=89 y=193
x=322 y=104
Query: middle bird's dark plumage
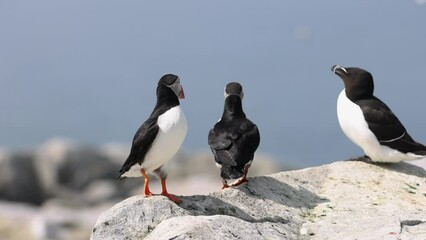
x=234 y=139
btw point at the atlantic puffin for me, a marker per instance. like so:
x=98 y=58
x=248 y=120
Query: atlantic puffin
x=159 y=138
x=234 y=138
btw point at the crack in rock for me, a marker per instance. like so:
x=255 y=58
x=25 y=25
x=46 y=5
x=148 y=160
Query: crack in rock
x=409 y=223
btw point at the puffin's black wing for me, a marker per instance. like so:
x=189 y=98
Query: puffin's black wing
x=248 y=141
x=219 y=139
x=142 y=141
x=220 y=142
x=234 y=144
x=387 y=127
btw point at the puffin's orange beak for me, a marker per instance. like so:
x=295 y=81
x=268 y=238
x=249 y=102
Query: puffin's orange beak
x=182 y=93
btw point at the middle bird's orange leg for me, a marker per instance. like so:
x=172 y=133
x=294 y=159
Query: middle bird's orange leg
x=225 y=184
x=243 y=179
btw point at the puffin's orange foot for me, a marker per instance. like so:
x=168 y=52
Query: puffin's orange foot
x=225 y=186
x=240 y=181
x=171 y=197
x=148 y=194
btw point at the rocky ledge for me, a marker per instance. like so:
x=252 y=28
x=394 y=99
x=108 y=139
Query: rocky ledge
x=343 y=200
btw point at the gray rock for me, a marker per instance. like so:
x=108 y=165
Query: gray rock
x=83 y=166
x=22 y=222
x=414 y=230
x=217 y=227
x=271 y=207
x=102 y=191
x=49 y=157
x=19 y=180
x=74 y=173
x=369 y=201
x=134 y=218
x=63 y=164
x=343 y=200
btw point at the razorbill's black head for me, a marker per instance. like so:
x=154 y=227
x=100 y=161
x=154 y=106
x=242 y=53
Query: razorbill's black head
x=358 y=82
x=234 y=139
x=159 y=137
x=369 y=122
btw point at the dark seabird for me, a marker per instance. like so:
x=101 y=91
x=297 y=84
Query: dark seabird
x=160 y=136
x=369 y=123
x=234 y=138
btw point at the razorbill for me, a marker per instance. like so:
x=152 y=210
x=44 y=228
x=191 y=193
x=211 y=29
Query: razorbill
x=159 y=137
x=369 y=123
x=234 y=138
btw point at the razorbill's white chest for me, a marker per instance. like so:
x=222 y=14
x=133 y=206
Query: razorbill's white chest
x=234 y=138
x=369 y=123
x=160 y=136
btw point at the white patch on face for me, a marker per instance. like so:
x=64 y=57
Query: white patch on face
x=354 y=126
x=225 y=94
x=218 y=165
x=172 y=132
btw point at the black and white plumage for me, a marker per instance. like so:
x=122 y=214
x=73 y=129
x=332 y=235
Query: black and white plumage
x=369 y=122
x=160 y=136
x=234 y=138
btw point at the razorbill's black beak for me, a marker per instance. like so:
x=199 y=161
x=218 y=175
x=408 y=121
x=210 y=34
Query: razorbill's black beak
x=339 y=70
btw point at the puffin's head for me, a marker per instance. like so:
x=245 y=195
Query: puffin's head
x=234 y=88
x=173 y=82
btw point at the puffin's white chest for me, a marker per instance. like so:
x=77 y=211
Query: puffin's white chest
x=172 y=131
x=353 y=124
